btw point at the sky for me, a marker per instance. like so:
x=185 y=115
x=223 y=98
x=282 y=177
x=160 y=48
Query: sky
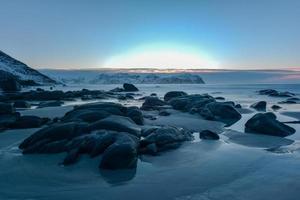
x=216 y=34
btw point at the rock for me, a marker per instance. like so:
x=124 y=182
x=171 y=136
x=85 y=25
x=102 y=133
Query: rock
x=287 y=102
x=135 y=114
x=238 y=106
x=72 y=157
x=129 y=87
x=266 y=123
x=40 y=90
x=152 y=103
x=276 y=107
x=293 y=99
x=190 y=103
x=259 y=106
x=267 y=92
x=121 y=155
x=208 y=135
x=28 y=122
x=117 y=123
x=6 y=120
x=56 y=132
x=172 y=94
x=153 y=94
x=164 y=113
x=220 y=98
x=9 y=82
x=165 y=138
x=85 y=115
x=112 y=108
x=222 y=112
x=50 y=104
x=21 y=104
x=117 y=90
x=275 y=93
x=6 y=108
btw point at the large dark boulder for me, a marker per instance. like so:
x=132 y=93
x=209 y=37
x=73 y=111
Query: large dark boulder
x=50 y=104
x=275 y=93
x=164 y=138
x=152 y=103
x=87 y=115
x=122 y=154
x=28 y=122
x=222 y=112
x=21 y=104
x=112 y=108
x=190 y=102
x=208 y=135
x=117 y=123
x=6 y=120
x=6 y=108
x=129 y=87
x=266 y=123
x=135 y=114
x=56 y=132
x=259 y=106
x=173 y=94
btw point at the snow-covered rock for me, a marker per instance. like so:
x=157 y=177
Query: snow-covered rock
x=23 y=74
x=110 y=77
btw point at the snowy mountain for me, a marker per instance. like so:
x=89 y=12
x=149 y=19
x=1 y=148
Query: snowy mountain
x=23 y=74
x=97 y=77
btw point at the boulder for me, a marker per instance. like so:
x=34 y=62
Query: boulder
x=6 y=120
x=222 y=112
x=50 y=104
x=122 y=154
x=238 y=106
x=191 y=102
x=129 y=87
x=172 y=94
x=208 y=135
x=276 y=107
x=152 y=103
x=117 y=123
x=259 y=106
x=21 y=104
x=55 y=132
x=164 y=113
x=164 y=138
x=23 y=122
x=6 y=108
x=135 y=114
x=109 y=107
x=266 y=123
x=220 y=98
x=87 y=115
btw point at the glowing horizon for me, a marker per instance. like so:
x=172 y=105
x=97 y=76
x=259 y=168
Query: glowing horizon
x=162 y=56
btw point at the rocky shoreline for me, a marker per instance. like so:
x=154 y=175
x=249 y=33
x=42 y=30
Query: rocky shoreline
x=121 y=134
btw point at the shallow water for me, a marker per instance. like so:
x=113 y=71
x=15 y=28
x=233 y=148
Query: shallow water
x=239 y=166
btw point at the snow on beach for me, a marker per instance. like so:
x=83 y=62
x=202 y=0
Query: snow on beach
x=238 y=166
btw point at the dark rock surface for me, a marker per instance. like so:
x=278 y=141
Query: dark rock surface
x=208 y=135
x=130 y=87
x=275 y=93
x=260 y=106
x=152 y=103
x=266 y=123
x=172 y=94
x=276 y=107
x=163 y=138
x=21 y=104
